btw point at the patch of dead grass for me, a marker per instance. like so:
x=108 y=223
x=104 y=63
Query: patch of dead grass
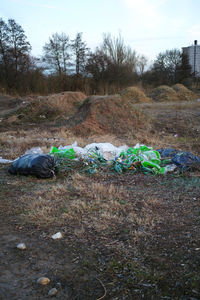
x=163 y=93
x=100 y=207
x=134 y=95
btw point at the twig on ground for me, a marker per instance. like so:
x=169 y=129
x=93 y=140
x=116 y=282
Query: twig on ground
x=105 y=292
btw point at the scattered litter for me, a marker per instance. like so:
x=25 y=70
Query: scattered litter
x=52 y=292
x=5 y=161
x=35 y=150
x=103 y=156
x=39 y=165
x=57 y=235
x=43 y=280
x=107 y=150
x=21 y=246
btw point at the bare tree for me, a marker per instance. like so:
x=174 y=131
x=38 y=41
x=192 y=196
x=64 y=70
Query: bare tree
x=3 y=49
x=118 y=52
x=123 y=59
x=57 y=53
x=19 y=47
x=142 y=62
x=15 y=58
x=80 y=52
x=98 y=65
x=166 y=66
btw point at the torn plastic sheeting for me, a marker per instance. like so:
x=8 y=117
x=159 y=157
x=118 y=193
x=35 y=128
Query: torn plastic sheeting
x=107 y=150
x=5 y=161
x=35 y=150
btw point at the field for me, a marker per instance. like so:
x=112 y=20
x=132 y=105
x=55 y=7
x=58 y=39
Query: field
x=128 y=236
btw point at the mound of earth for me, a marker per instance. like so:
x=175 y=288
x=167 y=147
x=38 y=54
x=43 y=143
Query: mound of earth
x=183 y=92
x=41 y=108
x=107 y=114
x=163 y=93
x=135 y=95
x=65 y=103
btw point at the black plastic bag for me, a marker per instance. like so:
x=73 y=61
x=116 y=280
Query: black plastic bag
x=39 y=165
x=167 y=152
x=186 y=161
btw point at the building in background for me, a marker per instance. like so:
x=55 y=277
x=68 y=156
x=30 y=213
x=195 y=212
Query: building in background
x=193 y=54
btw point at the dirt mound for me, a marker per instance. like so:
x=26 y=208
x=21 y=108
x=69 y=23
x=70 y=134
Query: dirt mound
x=41 y=108
x=176 y=93
x=183 y=92
x=107 y=114
x=64 y=103
x=134 y=94
x=163 y=93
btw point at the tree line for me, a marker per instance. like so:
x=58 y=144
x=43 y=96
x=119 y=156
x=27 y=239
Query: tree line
x=68 y=64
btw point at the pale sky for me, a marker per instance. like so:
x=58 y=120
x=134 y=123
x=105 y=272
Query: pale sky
x=148 y=26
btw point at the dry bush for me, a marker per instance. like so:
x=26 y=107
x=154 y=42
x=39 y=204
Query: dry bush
x=163 y=93
x=134 y=95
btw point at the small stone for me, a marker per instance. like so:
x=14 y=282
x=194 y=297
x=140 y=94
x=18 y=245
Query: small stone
x=58 y=284
x=57 y=235
x=43 y=280
x=52 y=292
x=21 y=246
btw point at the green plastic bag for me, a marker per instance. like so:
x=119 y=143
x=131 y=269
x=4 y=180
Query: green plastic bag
x=67 y=153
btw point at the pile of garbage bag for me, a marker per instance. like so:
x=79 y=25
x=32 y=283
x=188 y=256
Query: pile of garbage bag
x=119 y=159
x=104 y=156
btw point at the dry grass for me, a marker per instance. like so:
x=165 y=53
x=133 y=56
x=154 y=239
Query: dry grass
x=163 y=93
x=14 y=143
x=134 y=95
x=103 y=208
x=52 y=107
x=176 y=93
x=184 y=93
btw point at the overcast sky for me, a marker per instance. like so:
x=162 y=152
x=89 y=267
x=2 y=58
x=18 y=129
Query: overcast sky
x=148 y=26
